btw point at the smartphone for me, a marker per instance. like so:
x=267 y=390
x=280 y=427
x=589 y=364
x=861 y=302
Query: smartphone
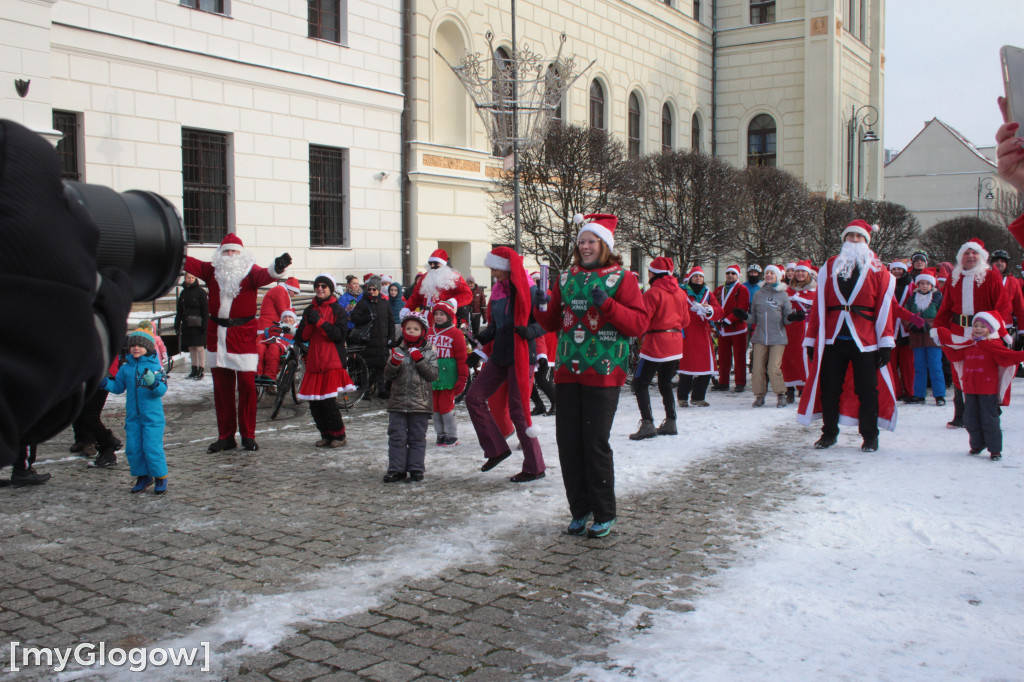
x=1012 y=59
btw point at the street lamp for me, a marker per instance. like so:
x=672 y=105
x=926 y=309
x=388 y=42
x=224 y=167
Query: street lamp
x=985 y=183
x=868 y=115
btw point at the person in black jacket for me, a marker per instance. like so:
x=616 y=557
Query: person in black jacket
x=190 y=323
x=374 y=309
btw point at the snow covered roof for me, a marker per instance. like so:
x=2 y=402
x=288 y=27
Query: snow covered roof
x=956 y=134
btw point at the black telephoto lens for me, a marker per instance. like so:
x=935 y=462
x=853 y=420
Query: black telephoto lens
x=140 y=233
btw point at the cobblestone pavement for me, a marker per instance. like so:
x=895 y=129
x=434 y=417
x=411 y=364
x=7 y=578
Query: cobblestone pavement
x=299 y=564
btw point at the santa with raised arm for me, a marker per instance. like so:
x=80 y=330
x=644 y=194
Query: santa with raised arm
x=233 y=279
x=441 y=283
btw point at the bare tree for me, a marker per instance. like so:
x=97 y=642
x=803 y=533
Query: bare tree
x=576 y=170
x=1007 y=207
x=942 y=240
x=898 y=229
x=823 y=238
x=681 y=204
x=775 y=213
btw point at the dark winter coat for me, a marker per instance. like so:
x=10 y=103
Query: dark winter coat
x=382 y=330
x=412 y=382
x=396 y=302
x=192 y=300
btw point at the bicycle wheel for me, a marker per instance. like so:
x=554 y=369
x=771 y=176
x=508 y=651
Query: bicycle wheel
x=360 y=374
x=300 y=371
x=284 y=385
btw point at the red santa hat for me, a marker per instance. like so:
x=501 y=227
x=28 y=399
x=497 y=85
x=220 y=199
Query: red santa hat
x=289 y=313
x=439 y=256
x=447 y=307
x=901 y=264
x=292 y=284
x=791 y=266
x=662 y=265
x=994 y=322
x=860 y=227
x=776 y=269
x=927 y=275
x=387 y=279
x=972 y=245
x=535 y=275
x=807 y=266
x=520 y=281
x=600 y=224
x=695 y=270
x=231 y=242
x=734 y=269
x=366 y=277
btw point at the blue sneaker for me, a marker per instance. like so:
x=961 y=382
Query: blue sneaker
x=600 y=530
x=579 y=526
x=161 y=486
x=141 y=483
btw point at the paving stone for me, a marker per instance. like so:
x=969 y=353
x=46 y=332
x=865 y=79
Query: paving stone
x=390 y=671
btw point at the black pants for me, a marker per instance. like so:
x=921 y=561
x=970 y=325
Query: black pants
x=642 y=384
x=584 y=421
x=981 y=419
x=837 y=357
x=691 y=386
x=958 y=404
x=26 y=457
x=475 y=322
x=327 y=418
x=88 y=427
x=542 y=383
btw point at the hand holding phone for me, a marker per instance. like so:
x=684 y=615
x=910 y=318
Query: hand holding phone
x=1010 y=146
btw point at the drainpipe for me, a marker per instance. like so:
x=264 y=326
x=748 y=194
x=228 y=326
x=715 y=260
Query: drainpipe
x=408 y=37
x=714 y=81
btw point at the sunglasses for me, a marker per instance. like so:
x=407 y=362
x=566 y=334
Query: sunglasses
x=321 y=286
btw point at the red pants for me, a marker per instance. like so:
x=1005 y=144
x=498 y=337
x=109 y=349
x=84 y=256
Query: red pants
x=225 y=383
x=269 y=358
x=902 y=361
x=444 y=400
x=732 y=349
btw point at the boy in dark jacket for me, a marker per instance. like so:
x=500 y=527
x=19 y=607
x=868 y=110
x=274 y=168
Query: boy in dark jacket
x=412 y=369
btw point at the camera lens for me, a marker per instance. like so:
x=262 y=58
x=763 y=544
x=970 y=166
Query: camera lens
x=140 y=233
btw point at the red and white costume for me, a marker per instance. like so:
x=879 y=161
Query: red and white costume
x=458 y=290
x=902 y=359
x=449 y=343
x=274 y=343
x=987 y=366
x=794 y=359
x=967 y=294
x=669 y=311
x=732 y=331
x=275 y=302
x=868 y=316
x=698 y=348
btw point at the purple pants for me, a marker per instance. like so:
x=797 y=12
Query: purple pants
x=487 y=432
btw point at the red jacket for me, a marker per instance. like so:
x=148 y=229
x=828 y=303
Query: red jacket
x=958 y=300
x=1015 y=296
x=985 y=367
x=733 y=295
x=325 y=336
x=670 y=313
x=275 y=302
x=450 y=343
x=869 y=316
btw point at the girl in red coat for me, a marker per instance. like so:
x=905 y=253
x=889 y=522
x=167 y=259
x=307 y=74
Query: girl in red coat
x=662 y=347
x=801 y=294
x=450 y=347
x=324 y=326
x=698 y=363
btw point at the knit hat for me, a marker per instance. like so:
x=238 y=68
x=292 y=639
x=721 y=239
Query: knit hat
x=292 y=284
x=860 y=227
x=695 y=270
x=141 y=337
x=231 y=241
x=324 y=278
x=439 y=256
x=807 y=266
x=919 y=255
x=600 y=224
x=662 y=265
x=734 y=269
x=754 y=266
x=927 y=275
x=447 y=307
x=373 y=282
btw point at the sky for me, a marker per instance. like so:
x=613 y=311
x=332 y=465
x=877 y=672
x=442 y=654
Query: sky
x=942 y=61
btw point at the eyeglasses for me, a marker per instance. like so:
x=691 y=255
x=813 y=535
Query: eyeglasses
x=372 y=289
x=321 y=286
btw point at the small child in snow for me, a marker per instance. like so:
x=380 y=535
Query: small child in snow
x=986 y=367
x=450 y=346
x=142 y=377
x=927 y=355
x=412 y=369
x=275 y=342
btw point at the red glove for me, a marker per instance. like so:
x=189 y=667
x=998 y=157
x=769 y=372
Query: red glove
x=396 y=356
x=416 y=355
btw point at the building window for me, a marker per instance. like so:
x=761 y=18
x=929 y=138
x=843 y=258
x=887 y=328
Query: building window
x=634 y=126
x=666 y=128
x=204 y=170
x=863 y=33
x=696 y=10
x=328 y=196
x=327 y=20
x=761 y=141
x=695 y=133
x=215 y=6
x=597 y=106
x=762 y=11
x=67 y=149
x=502 y=81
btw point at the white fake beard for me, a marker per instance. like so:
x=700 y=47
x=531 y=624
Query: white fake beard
x=853 y=255
x=922 y=301
x=438 y=281
x=229 y=271
x=974 y=273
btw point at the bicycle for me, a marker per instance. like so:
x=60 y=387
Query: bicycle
x=360 y=374
x=289 y=378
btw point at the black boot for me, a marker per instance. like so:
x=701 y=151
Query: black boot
x=21 y=477
x=202 y=371
x=222 y=444
x=194 y=373
x=105 y=459
x=825 y=442
x=251 y=445
x=790 y=395
x=870 y=445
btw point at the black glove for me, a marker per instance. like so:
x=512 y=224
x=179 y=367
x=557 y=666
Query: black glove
x=473 y=360
x=740 y=314
x=915 y=328
x=522 y=331
x=539 y=297
x=598 y=296
x=282 y=262
x=797 y=316
x=883 y=357
x=810 y=353
x=312 y=315
x=542 y=365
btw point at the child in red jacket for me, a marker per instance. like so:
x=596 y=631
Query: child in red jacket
x=450 y=346
x=986 y=367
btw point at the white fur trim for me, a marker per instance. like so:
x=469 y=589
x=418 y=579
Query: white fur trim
x=532 y=431
x=733 y=268
x=772 y=268
x=859 y=230
x=805 y=268
x=971 y=246
x=659 y=272
x=435 y=259
x=991 y=321
x=925 y=277
x=493 y=260
x=273 y=272
x=898 y=264
x=602 y=232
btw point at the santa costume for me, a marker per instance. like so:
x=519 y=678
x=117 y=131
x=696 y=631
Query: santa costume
x=275 y=302
x=902 y=354
x=450 y=348
x=850 y=328
x=231 y=337
x=698 y=362
x=732 y=330
x=439 y=284
x=801 y=296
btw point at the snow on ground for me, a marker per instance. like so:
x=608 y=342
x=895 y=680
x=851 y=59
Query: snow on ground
x=907 y=566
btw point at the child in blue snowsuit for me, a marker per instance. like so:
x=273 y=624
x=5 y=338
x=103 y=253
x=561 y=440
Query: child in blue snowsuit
x=142 y=377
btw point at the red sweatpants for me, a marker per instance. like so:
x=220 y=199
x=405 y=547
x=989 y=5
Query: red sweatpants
x=443 y=400
x=732 y=349
x=269 y=358
x=225 y=383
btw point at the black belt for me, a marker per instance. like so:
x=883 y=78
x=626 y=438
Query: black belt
x=663 y=331
x=862 y=310
x=232 y=321
x=963 y=320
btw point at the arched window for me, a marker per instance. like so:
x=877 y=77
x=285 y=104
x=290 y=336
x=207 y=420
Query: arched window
x=666 y=128
x=449 y=124
x=634 y=126
x=503 y=93
x=597 y=106
x=695 y=143
x=761 y=141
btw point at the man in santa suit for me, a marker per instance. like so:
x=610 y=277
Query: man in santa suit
x=851 y=327
x=275 y=302
x=233 y=279
x=441 y=283
x=732 y=330
x=973 y=287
